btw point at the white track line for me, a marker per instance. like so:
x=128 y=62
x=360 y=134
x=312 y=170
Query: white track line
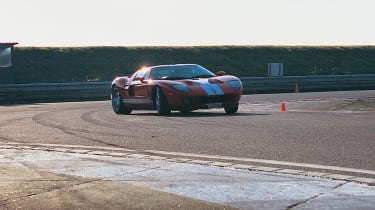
x=187 y=155
x=274 y=162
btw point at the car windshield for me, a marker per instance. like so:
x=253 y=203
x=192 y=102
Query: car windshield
x=175 y=72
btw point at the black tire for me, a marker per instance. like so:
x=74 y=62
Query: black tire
x=161 y=102
x=117 y=105
x=230 y=109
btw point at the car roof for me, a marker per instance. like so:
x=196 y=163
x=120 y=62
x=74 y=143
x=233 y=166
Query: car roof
x=149 y=68
x=171 y=65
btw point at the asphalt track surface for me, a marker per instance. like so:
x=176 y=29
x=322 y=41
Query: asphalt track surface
x=331 y=131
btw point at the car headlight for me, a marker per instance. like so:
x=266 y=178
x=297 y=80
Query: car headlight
x=235 y=84
x=181 y=88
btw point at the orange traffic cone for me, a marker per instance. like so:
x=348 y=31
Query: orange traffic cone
x=282 y=107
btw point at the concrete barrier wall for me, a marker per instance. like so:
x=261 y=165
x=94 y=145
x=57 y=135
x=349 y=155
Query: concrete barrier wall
x=89 y=91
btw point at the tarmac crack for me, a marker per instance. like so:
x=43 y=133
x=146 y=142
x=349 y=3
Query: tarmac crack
x=290 y=207
x=302 y=202
x=340 y=185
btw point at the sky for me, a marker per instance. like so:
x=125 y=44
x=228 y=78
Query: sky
x=187 y=22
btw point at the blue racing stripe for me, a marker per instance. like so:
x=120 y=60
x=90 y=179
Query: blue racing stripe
x=212 y=89
x=217 y=89
x=207 y=88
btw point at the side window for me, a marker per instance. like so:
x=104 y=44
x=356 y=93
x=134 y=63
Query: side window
x=155 y=74
x=133 y=76
x=143 y=73
x=145 y=77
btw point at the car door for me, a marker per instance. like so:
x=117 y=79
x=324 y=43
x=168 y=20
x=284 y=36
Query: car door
x=138 y=90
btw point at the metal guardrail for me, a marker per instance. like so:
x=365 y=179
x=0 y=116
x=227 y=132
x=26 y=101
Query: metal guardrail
x=89 y=91
x=54 y=92
x=289 y=84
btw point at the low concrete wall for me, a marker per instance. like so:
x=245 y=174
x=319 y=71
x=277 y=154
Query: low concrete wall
x=89 y=91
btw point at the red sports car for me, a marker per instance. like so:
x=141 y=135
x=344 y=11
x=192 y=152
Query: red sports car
x=182 y=87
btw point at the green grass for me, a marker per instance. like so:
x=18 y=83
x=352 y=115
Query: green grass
x=76 y=64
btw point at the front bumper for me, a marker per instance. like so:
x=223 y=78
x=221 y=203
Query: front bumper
x=204 y=102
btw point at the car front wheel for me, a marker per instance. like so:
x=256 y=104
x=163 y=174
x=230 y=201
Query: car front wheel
x=117 y=105
x=161 y=102
x=230 y=109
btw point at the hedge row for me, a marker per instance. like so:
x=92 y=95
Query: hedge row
x=77 y=64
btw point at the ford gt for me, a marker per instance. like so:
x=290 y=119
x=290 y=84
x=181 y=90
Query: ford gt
x=180 y=87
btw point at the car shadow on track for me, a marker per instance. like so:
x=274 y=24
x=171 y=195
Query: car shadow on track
x=200 y=114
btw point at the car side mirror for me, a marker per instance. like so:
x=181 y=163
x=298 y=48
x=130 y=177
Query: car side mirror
x=220 y=73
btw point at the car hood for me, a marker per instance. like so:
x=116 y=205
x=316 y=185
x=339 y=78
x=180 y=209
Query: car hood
x=200 y=81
